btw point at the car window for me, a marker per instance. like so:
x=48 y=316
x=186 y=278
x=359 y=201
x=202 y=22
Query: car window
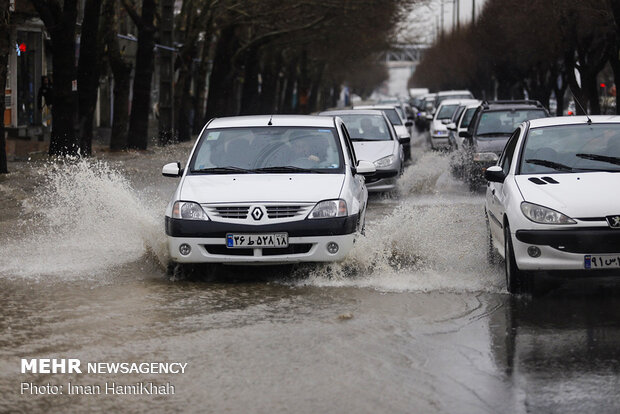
x=467 y=117
x=505 y=122
x=254 y=148
x=392 y=116
x=350 y=148
x=569 y=148
x=366 y=127
x=509 y=150
x=446 y=111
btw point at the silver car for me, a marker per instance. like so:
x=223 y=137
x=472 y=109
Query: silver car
x=374 y=139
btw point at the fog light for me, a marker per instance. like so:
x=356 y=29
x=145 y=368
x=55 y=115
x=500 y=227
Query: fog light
x=533 y=251
x=185 y=249
x=332 y=247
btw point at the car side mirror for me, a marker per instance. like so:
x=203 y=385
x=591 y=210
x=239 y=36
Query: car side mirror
x=495 y=174
x=172 y=169
x=408 y=124
x=404 y=140
x=366 y=167
x=445 y=121
x=451 y=126
x=464 y=134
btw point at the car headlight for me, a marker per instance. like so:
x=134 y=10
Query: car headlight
x=385 y=161
x=329 y=209
x=485 y=157
x=544 y=215
x=189 y=211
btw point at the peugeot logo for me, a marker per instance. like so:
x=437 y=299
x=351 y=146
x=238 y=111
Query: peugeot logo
x=614 y=221
x=257 y=213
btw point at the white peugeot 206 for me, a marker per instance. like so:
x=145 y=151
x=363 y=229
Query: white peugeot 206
x=553 y=200
x=267 y=190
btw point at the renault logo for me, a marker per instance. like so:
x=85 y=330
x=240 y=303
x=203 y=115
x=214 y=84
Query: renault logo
x=614 y=221
x=257 y=213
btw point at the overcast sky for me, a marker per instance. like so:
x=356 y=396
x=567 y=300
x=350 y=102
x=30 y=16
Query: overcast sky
x=425 y=20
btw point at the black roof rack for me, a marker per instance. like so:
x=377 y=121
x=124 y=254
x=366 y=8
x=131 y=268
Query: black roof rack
x=486 y=104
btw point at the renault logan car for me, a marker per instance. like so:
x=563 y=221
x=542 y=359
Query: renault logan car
x=265 y=190
x=374 y=139
x=552 y=201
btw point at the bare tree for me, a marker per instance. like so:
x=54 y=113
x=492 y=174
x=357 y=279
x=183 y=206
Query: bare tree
x=5 y=49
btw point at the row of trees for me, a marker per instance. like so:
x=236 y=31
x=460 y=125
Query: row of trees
x=541 y=47
x=256 y=56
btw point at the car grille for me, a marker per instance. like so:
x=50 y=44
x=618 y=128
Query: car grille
x=230 y=212
x=584 y=240
x=221 y=250
x=275 y=212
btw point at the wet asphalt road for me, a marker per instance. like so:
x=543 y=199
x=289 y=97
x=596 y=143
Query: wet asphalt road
x=414 y=321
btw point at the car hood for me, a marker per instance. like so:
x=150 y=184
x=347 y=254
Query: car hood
x=494 y=144
x=238 y=188
x=373 y=150
x=401 y=131
x=576 y=194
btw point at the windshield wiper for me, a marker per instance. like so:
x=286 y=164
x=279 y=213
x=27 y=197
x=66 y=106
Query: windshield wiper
x=223 y=170
x=284 y=169
x=596 y=157
x=550 y=164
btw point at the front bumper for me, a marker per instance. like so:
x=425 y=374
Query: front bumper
x=440 y=140
x=565 y=249
x=382 y=180
x=308 y=240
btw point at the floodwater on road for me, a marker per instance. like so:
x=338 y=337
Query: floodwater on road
x=414 y=320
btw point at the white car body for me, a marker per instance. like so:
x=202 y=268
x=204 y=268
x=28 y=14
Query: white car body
x=376 y=151
x=587 y=199
x=265 y=203
x=461 y=126
x=438 y=127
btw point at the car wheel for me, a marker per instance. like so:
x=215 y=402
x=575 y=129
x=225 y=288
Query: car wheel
x=517 y=281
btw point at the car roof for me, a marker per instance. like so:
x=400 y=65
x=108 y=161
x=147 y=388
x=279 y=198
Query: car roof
x=352 y=112
x=511 y=104
x=459 y=92
x=378 y=106
x=459 y=101
x=573 y=120
x=276 y=120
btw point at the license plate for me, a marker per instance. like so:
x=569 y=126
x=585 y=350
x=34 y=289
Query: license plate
x=602 y=261
x=273 y=240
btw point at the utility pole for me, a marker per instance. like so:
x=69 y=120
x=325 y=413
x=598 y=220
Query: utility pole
x=473 y=11
x=441 y=19
x=458 y=15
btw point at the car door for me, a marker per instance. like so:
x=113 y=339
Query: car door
x=496 y=194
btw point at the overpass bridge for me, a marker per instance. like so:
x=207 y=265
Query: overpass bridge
x=401 y=61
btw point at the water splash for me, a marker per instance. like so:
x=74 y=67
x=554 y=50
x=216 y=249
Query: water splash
x=84 y=218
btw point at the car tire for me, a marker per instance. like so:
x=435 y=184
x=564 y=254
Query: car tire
x=517 y=281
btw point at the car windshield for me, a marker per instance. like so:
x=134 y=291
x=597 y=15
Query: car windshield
x=469 y=114
x=570 y=148
x=447 y=111
x=268 y=149
x=392 y=116
x=459 y=96
x=505 y=122
x=367 y=127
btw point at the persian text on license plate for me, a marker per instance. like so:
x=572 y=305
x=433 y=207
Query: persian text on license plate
x=252 y=241
x=603 y=261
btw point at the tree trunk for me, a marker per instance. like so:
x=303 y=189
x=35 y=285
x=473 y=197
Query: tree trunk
x=88 y=73
x=5 y=49
x=221 y=98
x=141 y=103
x=249 y=97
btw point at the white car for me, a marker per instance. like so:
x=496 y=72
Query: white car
x=461 y=124
x=443 y=116
x=552 y=201
x=374 y=139
x=401 y=125
x=267 y=190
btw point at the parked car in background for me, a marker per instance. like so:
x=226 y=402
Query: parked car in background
x=460 y=123
x=552 y=202
x=374 y=139
x=492 y=124
x=267 y=190
x=443 y=116
x=401 y=125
